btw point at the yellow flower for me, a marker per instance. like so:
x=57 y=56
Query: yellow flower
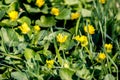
x=82 y=39
x=108 y=47
x=13 y=15
x=66 y=65
x=101 y=56
x=49 y=63
x=77 y=38
x=75 y=15
x=102 y=1
x=36 y=28
x=61 y=38
x=89 y=29
x=24 y=28
x=40 y=3
x=55 y=11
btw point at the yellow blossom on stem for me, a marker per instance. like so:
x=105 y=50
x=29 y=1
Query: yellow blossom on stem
x=82 y=39
x=75 y=15
x=90 y=29
x=66 y=65
x=24 y=28
x=101 y=56
x=77 y=38
x=49 y=63
x=40 y=3
x=36 y=28
x=61 y=38
x=102 y=1
x=55 y=11
x=13 y=15
x=108 y=47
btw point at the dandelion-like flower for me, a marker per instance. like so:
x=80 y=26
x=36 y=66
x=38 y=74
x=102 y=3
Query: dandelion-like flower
x=82 y=39
x=55 y=11
x=36 y=28
x=13 y=15
x=102 y=1
x=40 y=3
x=101 y=56
x=24 y=28
x=61 y=38
x=75 y=15
x=90 y=29
x=49 y=63
x=77 y=38
x=108 y=47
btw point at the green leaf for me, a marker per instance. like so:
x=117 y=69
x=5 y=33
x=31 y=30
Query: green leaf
x=28 y=54
x=31 y=9
x=9 y=1
x=2 y=13
x=44 y=21
x=118 y=16
x=19 y=75
x=44 y=9
x=66 y=74
x=13 y=6
x=109 y=77
x=71 y=2
x=64 y=14
x=50 y=37
x=39 y=37
x=12 y=35
x=86 y=13
x=29 y=1
x=83 y=73
x=9 y=23
x=24 y=19
x=5 y=35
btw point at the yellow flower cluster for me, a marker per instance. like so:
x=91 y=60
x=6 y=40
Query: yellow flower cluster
x=102 y=1
x=36 y=28
x=13 y=15
x=83 y=40
x=108 y=47
x=61 y=38
x=55 y=11
x=24 y=28
x=90 y=29
x=75 y=15
x=40 y=3
x=49 y=63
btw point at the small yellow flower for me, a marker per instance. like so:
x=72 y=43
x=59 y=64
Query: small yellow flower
x=77 y=38
x=66 y=65
x=82 y=39
x=89 y=29
x=49 y=63
x=55 y=11
x=24 y=28
x=108 y=47
x=13 y=15
x=36 y=28
x=40 y=3
x=101 y=56
x=61 y=38
x=75 y=15
x=102 y=1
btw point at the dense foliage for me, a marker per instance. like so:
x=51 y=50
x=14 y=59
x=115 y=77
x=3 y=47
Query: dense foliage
x=59 y=39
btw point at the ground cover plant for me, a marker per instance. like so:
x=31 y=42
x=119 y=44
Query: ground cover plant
x=59 y=39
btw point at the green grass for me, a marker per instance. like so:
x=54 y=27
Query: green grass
x=23 y=56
